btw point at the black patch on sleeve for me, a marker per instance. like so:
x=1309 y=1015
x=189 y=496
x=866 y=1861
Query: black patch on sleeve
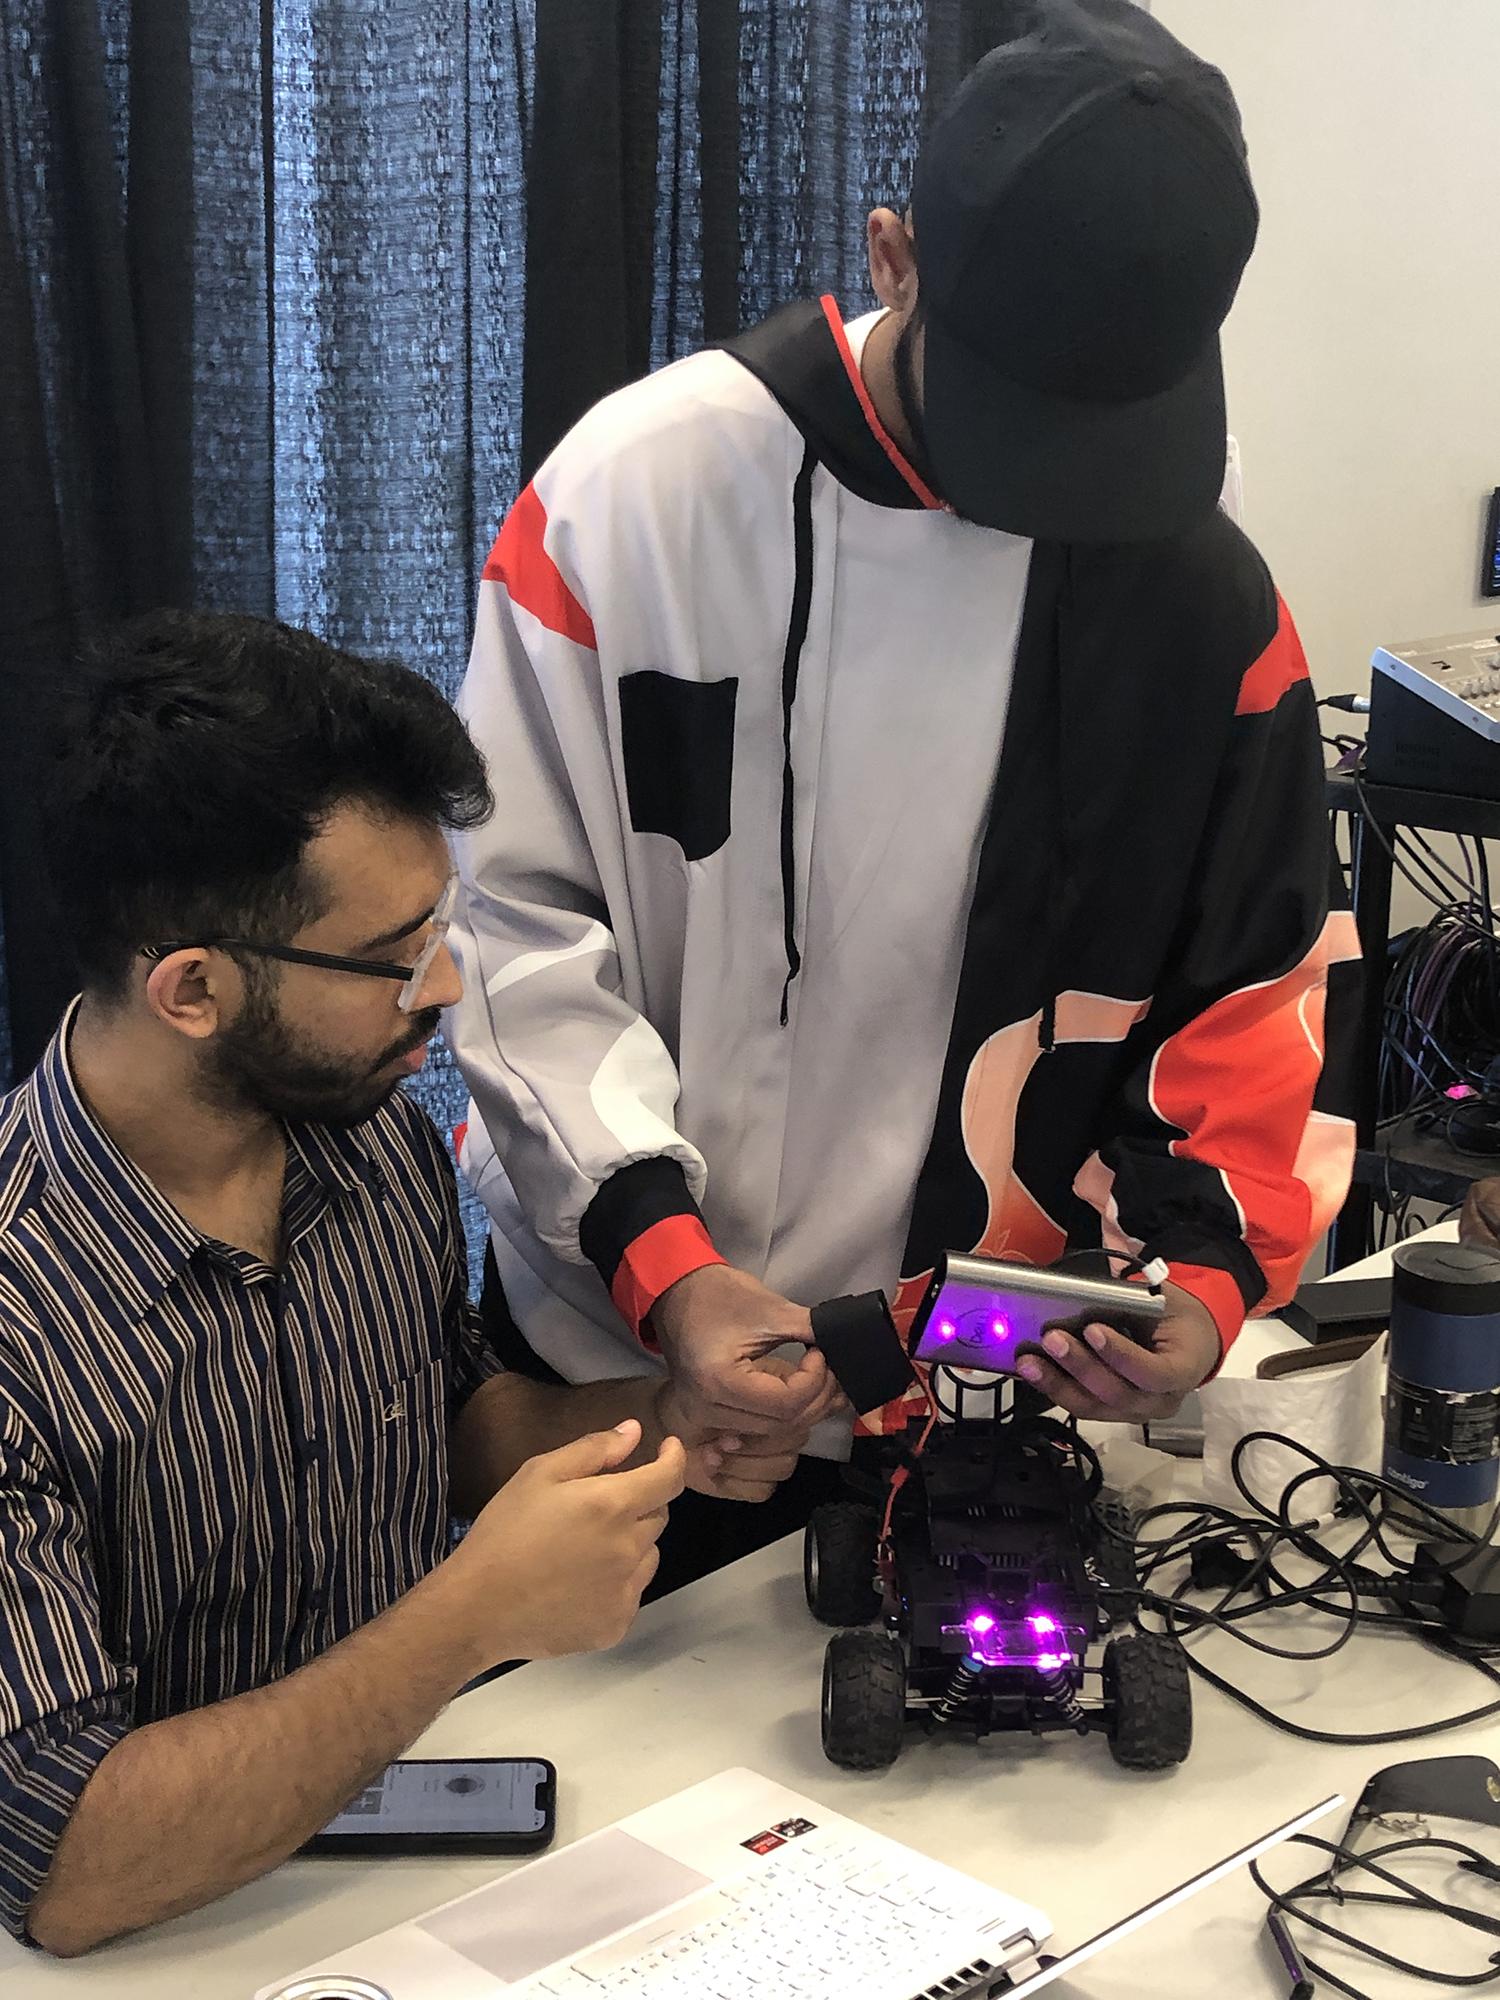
x=677 y=742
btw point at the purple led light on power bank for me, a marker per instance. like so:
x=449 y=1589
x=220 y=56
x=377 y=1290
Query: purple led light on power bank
x=946 y=1329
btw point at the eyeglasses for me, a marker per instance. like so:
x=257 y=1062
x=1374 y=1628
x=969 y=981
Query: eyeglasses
x=413 y=977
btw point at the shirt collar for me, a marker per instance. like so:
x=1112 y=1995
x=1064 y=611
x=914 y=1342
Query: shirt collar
x=337 y=1158
x=126 y=1216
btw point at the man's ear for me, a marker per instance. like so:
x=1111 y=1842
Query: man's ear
x=187 y=991
x=893 y=259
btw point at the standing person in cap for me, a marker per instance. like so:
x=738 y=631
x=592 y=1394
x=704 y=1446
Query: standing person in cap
x=914 y=832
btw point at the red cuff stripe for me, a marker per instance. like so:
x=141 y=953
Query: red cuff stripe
x=1279 y=667
x=520 y=561
x=1219 y=1292
x=659 y=1256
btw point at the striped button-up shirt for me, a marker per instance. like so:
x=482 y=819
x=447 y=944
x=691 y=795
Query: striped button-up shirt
x=210 y=1470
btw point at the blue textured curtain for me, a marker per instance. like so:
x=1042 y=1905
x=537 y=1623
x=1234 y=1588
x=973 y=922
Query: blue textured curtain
x=830 y=113
x=359 y=272
x=349 y=264
x=307 y=222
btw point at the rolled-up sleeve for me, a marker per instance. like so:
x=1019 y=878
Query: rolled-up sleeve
x=64 y=1703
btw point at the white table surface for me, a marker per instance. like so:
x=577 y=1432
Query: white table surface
x=727 y=1672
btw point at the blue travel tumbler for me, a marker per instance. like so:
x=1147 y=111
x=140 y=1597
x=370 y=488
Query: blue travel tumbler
x=1442 y=1412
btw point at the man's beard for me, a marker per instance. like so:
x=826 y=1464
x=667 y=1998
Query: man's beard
x=259 y=1064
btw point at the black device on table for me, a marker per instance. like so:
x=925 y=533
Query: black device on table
x=984 y=1565
x=448 y=1805
x=1339 y=1308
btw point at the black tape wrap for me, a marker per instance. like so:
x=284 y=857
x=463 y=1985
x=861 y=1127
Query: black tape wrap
x=858 y=1339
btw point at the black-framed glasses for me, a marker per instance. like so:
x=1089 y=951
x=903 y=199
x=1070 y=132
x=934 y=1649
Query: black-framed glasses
x=413 y=977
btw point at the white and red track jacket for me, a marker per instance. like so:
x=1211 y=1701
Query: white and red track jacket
x=866 y=883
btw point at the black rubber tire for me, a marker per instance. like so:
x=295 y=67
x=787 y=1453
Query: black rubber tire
x=1115 y=1563
x=838 y=1564
x=1150 y=1701
x=864 y=1700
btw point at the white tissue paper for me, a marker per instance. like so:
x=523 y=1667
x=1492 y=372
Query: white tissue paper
x=1336 y=1412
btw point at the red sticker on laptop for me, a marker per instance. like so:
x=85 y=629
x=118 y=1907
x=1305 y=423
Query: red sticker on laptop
x=778 y=1835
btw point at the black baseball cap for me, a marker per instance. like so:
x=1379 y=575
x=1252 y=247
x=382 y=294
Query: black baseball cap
x=1083 y=212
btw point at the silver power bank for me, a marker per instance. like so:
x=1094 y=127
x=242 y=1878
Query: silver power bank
x=984 y=1312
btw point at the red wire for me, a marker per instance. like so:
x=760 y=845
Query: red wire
x=903 y=1472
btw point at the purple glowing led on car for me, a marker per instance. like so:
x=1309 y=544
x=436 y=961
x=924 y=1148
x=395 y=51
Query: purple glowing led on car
x=1037 y=1641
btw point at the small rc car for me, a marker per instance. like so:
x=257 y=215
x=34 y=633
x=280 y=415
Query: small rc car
x=984 y=1586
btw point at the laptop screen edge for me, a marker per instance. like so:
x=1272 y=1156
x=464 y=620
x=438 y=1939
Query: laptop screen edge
x=1170 y=1898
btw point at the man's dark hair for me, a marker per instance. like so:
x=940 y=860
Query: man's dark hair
x=199 y=756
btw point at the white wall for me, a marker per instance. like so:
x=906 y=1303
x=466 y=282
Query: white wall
x=1363 y=353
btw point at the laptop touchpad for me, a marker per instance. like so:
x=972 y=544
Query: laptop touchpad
x=561 y=1905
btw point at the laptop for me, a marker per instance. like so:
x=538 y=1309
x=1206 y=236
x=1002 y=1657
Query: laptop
x=736 y=1889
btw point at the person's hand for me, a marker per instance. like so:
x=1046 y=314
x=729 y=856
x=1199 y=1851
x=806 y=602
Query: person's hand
x=557 y=1560
x=1105 y=1377
x=730 y=1465
x=1479 y=1223
x=715 y=1327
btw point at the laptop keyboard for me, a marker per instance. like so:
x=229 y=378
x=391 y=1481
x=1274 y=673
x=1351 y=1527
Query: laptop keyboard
x=821 y=1921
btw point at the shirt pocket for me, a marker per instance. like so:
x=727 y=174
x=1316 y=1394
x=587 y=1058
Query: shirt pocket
x=395 y=1476
x=677 y=748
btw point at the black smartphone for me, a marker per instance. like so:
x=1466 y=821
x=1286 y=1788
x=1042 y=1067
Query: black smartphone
x=448 y=1805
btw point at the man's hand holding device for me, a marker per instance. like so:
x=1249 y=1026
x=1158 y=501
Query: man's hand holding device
x=716 y=1327
x=1106 y=1376
x=1100 y=1348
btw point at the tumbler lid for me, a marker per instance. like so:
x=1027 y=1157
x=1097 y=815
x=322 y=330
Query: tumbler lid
x=1456 y=1278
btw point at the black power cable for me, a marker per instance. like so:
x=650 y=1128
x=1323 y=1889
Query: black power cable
x=1441 y=1024
x=1240 y=1559
x=1288 y=1903
x=1240 y=1562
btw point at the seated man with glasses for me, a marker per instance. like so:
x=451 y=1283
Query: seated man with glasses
x=240 y=1387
